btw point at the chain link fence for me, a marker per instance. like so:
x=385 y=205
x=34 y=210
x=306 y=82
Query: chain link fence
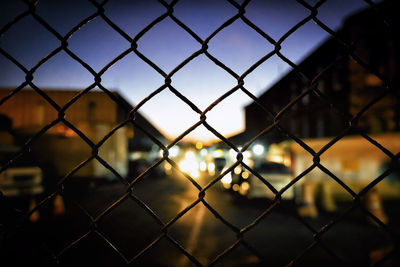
x=389 y=87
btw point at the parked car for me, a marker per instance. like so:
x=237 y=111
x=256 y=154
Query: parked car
x=247 y=184
x=22 y=179
x=142 y=156
x=21 y=183
x=278 y=175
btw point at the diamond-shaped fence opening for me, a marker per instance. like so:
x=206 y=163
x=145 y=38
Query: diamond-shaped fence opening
x=153 y=46
x=54 y=70
x=234 y=40
x=15 y=46
x=99 y=38
x=65 y=11
x=221 y=12
x=88 y=177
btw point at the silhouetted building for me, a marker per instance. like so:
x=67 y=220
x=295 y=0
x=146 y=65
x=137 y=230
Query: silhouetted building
x=94 y=114
x=345 y=84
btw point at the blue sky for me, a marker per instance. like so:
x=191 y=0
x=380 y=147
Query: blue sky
x=167 y=45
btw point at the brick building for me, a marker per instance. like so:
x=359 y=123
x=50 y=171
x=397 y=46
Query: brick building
x=94 y=114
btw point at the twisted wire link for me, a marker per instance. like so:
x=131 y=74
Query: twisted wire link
x=276 y=117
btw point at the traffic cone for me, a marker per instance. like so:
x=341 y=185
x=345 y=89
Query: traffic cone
x=35 y=215
x=58 y=205
x=379 y=254
x=373 y=204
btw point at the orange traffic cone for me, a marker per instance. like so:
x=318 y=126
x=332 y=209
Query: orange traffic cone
x=58 y=205
x=35 y=215
x=373 y=204
x=379 y=254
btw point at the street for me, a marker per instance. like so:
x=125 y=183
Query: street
x=278 y=238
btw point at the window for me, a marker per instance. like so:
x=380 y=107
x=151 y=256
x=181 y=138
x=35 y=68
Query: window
x=293 y=89
x=335 y=81
x=305 y=127
x=40 y=113
x=372 y=80
x=305 y=99
x=293 y=126
x=321 y=85
x=91 y=111
x=320 y=126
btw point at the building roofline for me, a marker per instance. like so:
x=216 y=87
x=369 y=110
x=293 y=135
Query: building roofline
x=143 y=121
x=309 y=57
x=327 y=42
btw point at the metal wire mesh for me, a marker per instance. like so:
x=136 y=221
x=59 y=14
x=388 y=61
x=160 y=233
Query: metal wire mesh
x=312 y=89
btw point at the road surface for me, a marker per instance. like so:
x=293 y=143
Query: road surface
x=277 y=239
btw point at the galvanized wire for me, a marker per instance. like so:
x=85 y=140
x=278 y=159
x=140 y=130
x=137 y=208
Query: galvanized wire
x=276 y=117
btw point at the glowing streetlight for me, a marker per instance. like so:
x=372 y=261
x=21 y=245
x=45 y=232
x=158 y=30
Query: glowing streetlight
x=258 y=149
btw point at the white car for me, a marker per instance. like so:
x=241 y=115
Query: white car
x=278 y=175
x=245 y=183
x=21 y=179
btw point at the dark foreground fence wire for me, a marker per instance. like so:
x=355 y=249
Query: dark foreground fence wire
x=389 y=87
